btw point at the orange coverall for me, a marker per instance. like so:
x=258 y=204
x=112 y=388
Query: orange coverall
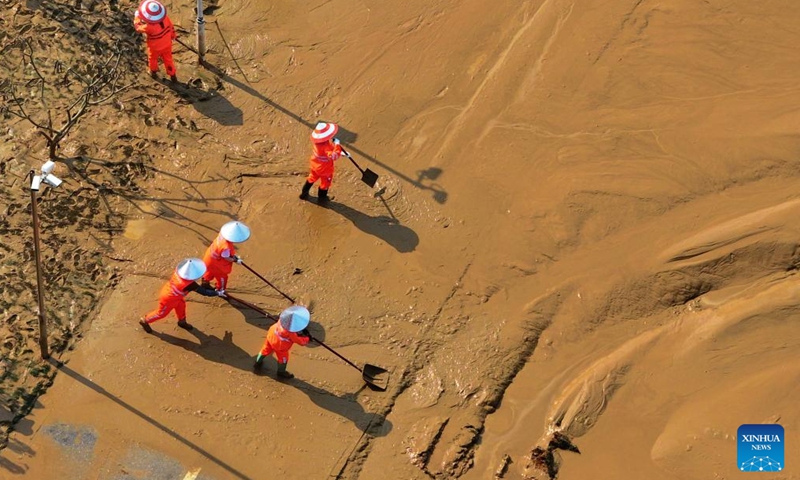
x=321 y=162
x=218 y=267
x=280 y=341
x=171 y=297
x=159 y=42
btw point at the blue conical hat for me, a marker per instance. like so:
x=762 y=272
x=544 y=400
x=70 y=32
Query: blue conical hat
x=295 y=318
x=191 y=269
x=235 y=232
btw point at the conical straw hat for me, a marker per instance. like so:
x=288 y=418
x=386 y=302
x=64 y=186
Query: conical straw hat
x=191 y=269
x=295 y=318
x=235 y=232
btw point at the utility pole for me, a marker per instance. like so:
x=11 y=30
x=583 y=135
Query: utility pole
x=39 y=288
x=201 y=32
x=48 y=178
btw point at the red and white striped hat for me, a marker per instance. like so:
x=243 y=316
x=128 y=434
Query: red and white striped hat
x=324 y=132
x=152 y=11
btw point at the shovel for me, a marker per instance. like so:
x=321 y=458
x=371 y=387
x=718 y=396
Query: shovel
x=375 y=377
x=367 y=176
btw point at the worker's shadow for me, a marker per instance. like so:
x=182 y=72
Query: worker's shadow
x=251 y=316
x=207 y=100
x=387 y=228
x=346 y=406
x=224 y=351
x=14 y=445
x=212 y=348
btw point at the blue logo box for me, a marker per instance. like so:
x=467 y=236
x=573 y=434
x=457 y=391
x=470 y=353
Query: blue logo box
x=760 y=448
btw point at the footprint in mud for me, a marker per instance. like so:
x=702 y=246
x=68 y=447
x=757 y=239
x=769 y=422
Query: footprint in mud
x=95 y=272
x=12 y=209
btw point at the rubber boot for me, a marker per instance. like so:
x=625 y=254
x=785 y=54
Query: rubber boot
x=258 y=363
x=282 y=373
x=306 y=189
x=154 y=75
x=174 y=78
x=182 y=323
x=323 y=196
x=145 y=326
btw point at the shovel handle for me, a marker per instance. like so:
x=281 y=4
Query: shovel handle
x=251 y=306
x=335 y=353
x=346 y=154
x=287 y=297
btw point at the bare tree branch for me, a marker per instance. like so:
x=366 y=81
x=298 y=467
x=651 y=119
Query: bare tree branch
x=100 y=82
x=42 y=81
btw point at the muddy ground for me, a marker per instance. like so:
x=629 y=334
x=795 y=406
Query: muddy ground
x=580 y=259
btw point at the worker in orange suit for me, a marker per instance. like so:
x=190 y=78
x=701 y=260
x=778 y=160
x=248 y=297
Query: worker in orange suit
x=221 y=254
x=151 y=19
x=288 y=330
x=326 y=151
x=171 y=296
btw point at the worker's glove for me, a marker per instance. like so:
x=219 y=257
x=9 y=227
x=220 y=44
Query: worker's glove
x=238 y=259
x=221 y=293
x=336 y=141
x=305 y=333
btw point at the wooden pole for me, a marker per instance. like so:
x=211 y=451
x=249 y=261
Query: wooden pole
x=201 y=32
x=39 y=289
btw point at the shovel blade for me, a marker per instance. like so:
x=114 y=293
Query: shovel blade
x=369 y=177
x=375 y=377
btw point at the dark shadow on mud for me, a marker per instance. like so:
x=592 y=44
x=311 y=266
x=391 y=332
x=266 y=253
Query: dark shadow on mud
x=102 y=391
x=212 y=348
x=423 y=176
x=126 y=174
x=251 y=316
x=219 y=109
x=208 y=101
x=224 y=351
x=23 y=427
x=387 y=228
x=346 y=406
x=6 y=464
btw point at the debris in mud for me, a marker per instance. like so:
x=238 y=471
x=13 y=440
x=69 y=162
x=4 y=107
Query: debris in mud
x=503 y=467
x=543 y=462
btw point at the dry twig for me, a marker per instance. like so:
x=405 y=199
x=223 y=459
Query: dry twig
x=96 y=85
